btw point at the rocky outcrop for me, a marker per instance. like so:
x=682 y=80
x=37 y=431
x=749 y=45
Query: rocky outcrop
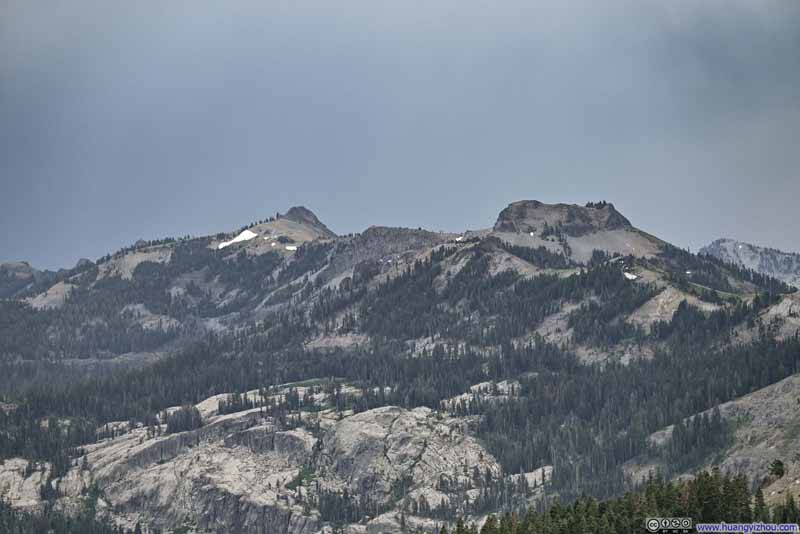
x=229 y=476
x=20 y=482
x=573 y=220
x=373 y=451
x=244 y=473
x=294 y=444
x=572 y=230
x=224 y=513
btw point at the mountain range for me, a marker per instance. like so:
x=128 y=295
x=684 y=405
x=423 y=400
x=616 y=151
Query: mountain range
x=280 y=378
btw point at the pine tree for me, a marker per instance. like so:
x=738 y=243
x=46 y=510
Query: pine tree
x=760 y=511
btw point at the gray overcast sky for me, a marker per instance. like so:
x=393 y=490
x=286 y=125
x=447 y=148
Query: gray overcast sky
x=121 y=120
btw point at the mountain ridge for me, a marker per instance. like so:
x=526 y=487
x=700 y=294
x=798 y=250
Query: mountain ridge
x=767 y=260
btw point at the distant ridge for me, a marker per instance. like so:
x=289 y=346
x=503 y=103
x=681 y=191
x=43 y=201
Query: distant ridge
x=782 y=265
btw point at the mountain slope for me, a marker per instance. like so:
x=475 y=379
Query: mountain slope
x=764 y=426
x=555 y=342
x=784 y=266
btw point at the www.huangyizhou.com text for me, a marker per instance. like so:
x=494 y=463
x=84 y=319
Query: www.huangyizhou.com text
x=746 y=528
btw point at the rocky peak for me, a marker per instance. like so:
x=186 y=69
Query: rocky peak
x=303 y=215
x=14 y=276
x=534 y=216
x=18 y=269
x=83 y=262
x=16 y=266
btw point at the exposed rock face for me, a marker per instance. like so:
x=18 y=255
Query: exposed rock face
x=781 y=265
x=229 y=476
x=303 y=215
x=374 y=449
x=20 y=482
x=575 y=221
x=244 y=473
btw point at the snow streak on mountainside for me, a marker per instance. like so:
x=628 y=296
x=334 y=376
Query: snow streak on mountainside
x=246 y=235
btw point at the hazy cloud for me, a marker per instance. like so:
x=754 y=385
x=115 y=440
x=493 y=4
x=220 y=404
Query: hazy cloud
x=121 y=120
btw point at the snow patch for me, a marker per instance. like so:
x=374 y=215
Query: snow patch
x=291 y=247
x=460 y=238
x=246 y=235
x=630 y=276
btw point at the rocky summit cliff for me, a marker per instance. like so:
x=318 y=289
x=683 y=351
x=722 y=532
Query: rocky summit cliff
x=782 y=265
x=534 y=216
x=279 y=378
x=574 y=230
